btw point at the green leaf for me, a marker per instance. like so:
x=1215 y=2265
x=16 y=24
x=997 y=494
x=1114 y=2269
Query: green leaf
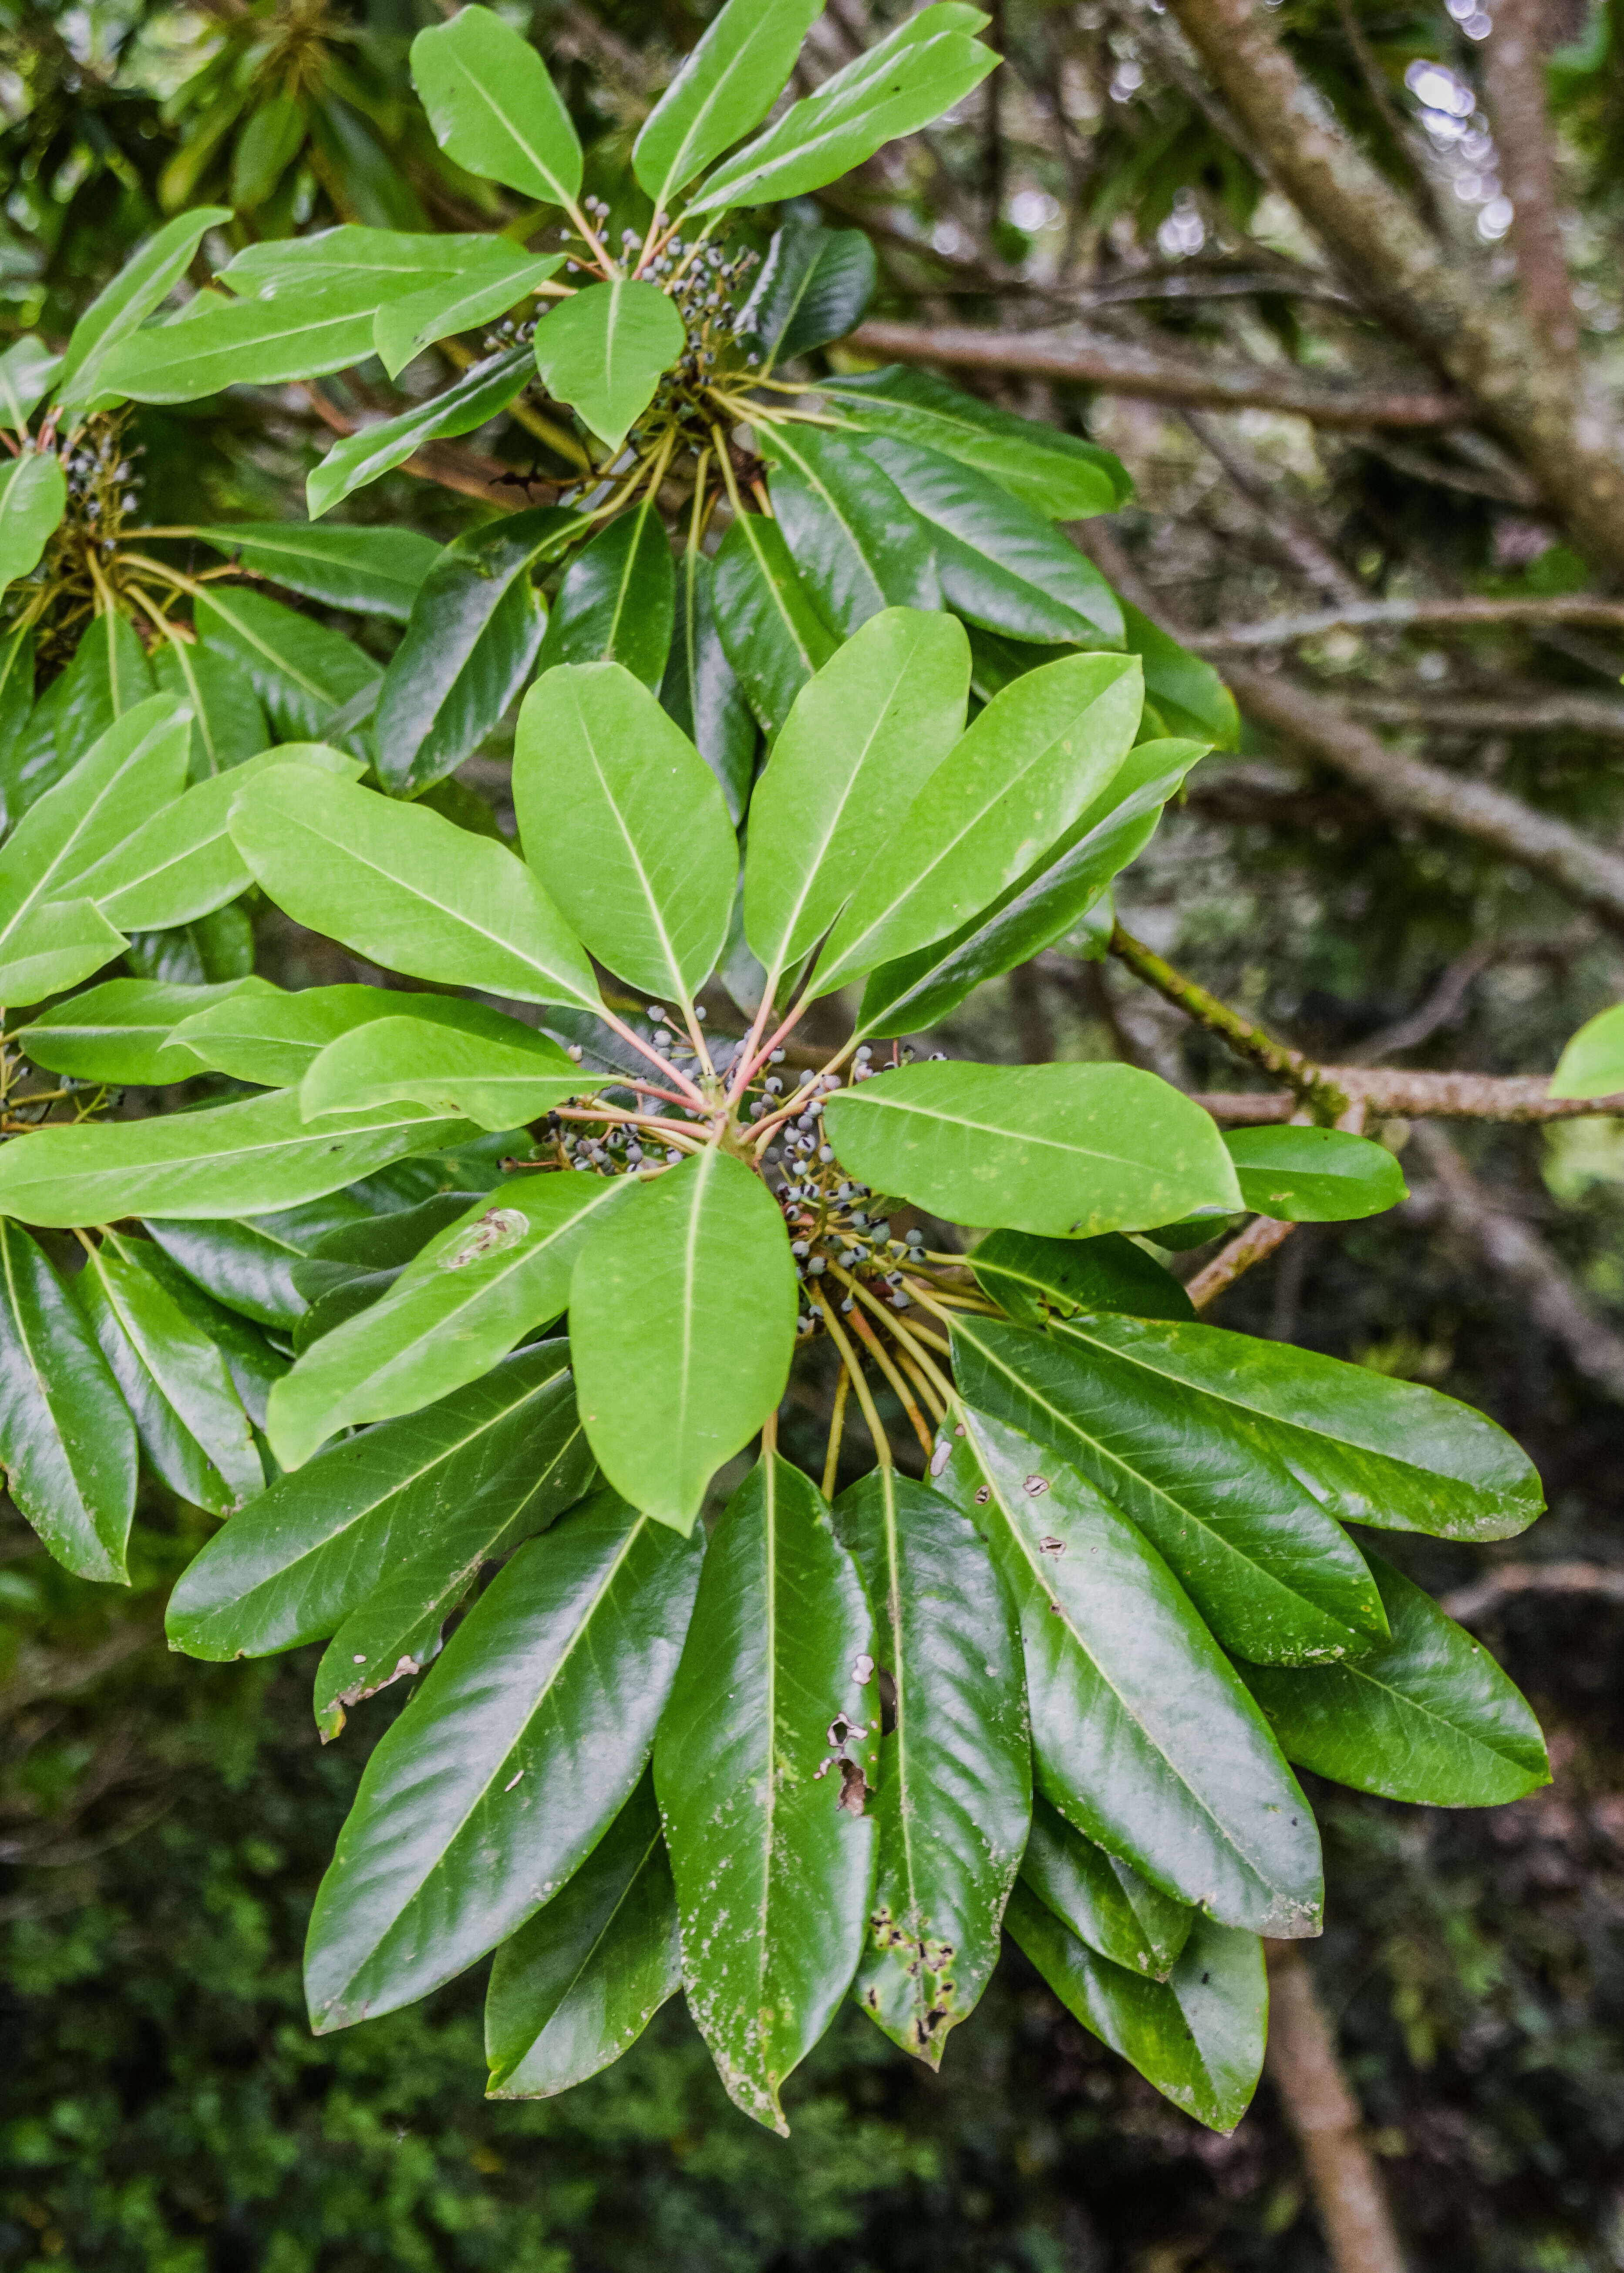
x=1145 y=1739
x=263 y=341
x=1062 y=1150
x=494 y=108
x=859 y=547
x=254 y=1367
x=726 y=85
x=250 y=1158
x=228 y=725
x=626 y=826
x=302 y=671
x=110 y=676
x=682 y=1320
x=495 y=1784
x=389 y=263
x=396 y=1630
x=482 y=1067
x=1059 y=891
x=16 y=707
x=1314 y=1176
x=1592 y=1061
x=182 y=863
x=377 y=571
x=482 y=392
x=1104 y=1902
x=1034 y=760
x=700 y=691
x=893 y=90
x=188 y=1415
x=1428 y=1716
x=475 y=628
x=67 y=1443
x=1056 y=475
x=1001 y=564
x=578 y=1984
x=248 y=1266
x=1023 y=1273
x=146 y=279
x=274 y=1038
x=56 y=947
x=503 y=275
x=34 y=495
x=119 y=1030
x=618 y=599
x=312 y=1549
x=815 y=289
x=1372 y=1450
x=268 y=145
x=773 y=636
x=1271 y=1574
x=863 y=737
x=407 y=890
x=26 y=371
x=771 y=1850
x=604 y=352
x=954 y=1772
x=1187 y=692
x=1198 y=2036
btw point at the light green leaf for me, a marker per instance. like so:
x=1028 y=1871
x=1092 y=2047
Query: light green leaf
x=146 y=279
x=497 y=1071
x=773 y=636
x=34 y=495
x=120 y=1032
x=1104 y=1902
x=1592 y=1061
x=504 y=276
x=1189 y=695
x=726 y=85
x=1314 y=1176
x=604 y=352
x=26 y=370
x=56 y=947
x=302 y=671
x=274 y=1038
x=859 y=546
x=377 y=571
x=480 y=394
x=267 y=146
x=227 y=723
x=389 y=263
x=264 y=342
x=1055 y=474
x=494 y=108
x=682 y=1321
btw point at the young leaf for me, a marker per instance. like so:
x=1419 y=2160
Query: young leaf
x=1055 y=474
x=726 y=85
x=1314 y=1176
x=1592 y=1061
x=605 y=351
x=577 y=1986
x=774 y=637
x=482 y=392
x=377 y=571
x=188 y=1415
x=250 y=1158
x=1062 y=1150
x=700 y=691
x=762 y=1768
x=500 y=1079
x=302 y=671
x=955 y=1771
x=493 y=1277
x=856 y=543
x=695 y=1265
x=1198 y=2036
x=34 y=495
x=1034 y=759
x=1428 y=1716
x=142 y=284
x=409 y=891
x=509 y=1764
x=228 y=725
x=262 y=342
x=493 y=107
x=624 y=822
x=1023 y=1273
x=120 y=1032
x=67 y=1443
x=1145 y=1739
x=475 y=628
x=311 y=1550
x=1271 y=1574
x=618 y=598
x=1104 y=1902
x=1372 y=1450
x=26 y=370
x=503 y=275
x=863 y=737
x=815 y=289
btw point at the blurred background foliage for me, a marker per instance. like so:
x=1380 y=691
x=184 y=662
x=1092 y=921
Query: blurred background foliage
x=163 y=1824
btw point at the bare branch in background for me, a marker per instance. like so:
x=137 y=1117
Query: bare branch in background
x=1285 y=631
x=1396 y=1092
x=1514 y=73
x=1511 y=1580
x=1544 y=710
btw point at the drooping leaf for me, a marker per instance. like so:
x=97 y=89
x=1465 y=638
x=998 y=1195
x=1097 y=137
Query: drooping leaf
x=774 y=637
x=493 y=107
x=1143 y=1736
x=302 y=671
x=695 y=1265
x=503 y=275
x=1271 y=1574
x=269 y=143
x=763 y=1766
x=955 y=1770
x=726 y=85
x=700 y=689
x=399 y=885
x=605 y=351
x=1314 y=1176
x=495 y=1784
x=1054 y=473
x=67 y=1443
x=252 y=1364
x=859 y=546
x=1103 y=1900
x=16 y=706
x=377 y=571
x=482 y=392
x=228 y=725
x=1428 y=1716
x=624 y=824
x=618 y=599
x=120 y=1032
x=34 y=495
x=577 y=1985
x=815 y=289
x=500 y=1078
x=142 y=284
x=1023 y=1273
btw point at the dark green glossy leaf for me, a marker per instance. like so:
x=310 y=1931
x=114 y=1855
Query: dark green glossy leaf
x=604 y=352
x=762 y=1768
x=481 y=393
x=1428 y=1716
x=227 y=723
x=1314 y=1176
x=378 y=571
x=726 y=85
x=250 y=1266
x=495 y=1784
x=67 y=1443
x=617 y=601
x=859 y=548
x=494 y=108
x=1268 y=1570
x=774 y=637
x=1187 y=692
x=108 y=677
x=120 y=1032
x=269 y=143
x=15 y=705
x=954 y=1772
x=1023 y=1273
x=255 y=1367
x=815 y=289
x=1145 y=1739
x=579 y=1982
x=699 y=688
x=1103 y=1900
x=1055 y=474
x=302 y=671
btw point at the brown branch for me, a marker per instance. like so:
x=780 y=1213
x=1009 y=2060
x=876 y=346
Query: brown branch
x=1388 y=1091
x=1093 y=359
x=1556 y=709
x=1515 y=76
x=1470 y=1601
x=1284 y=631
x=1254 y=1244
x=1249 y=1041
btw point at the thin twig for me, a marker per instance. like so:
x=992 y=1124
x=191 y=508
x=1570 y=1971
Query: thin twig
x=837 y=1430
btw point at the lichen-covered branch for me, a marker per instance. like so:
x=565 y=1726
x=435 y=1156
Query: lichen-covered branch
x=1247 y=1039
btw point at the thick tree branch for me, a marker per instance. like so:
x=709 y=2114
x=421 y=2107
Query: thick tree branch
x=1516 y=90
x=1249 y=1041
x=1538 y=710
x=1395 y=1092
x=1470 y=1601
x=1284 y=631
